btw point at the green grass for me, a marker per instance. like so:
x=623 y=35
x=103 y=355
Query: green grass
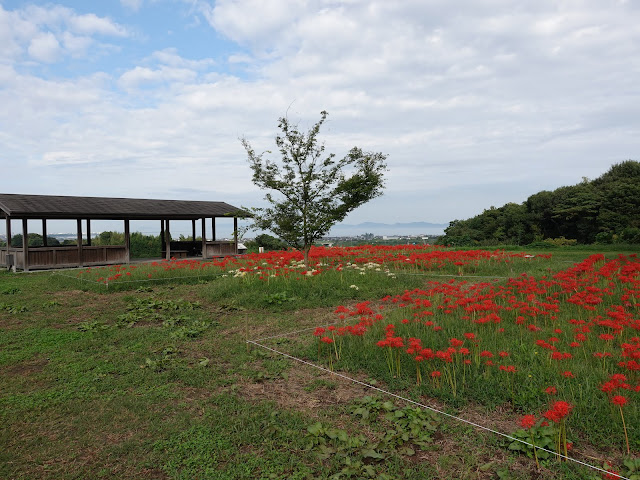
x=155 y=380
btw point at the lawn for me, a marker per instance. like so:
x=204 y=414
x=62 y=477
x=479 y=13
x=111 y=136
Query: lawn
x=144 y=371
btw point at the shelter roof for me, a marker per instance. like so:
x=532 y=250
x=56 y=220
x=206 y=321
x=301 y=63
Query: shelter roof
x=67 y=207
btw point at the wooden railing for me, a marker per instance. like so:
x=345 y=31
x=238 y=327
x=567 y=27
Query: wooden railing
x=220 y=249
x=67 y=256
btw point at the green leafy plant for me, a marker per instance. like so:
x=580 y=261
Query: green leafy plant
x=10 y=291
x=51 y=304
x=193 y=330
x=543 y=436
x=398 y=432
x=13 y=308
x=91 y=326
x=162 y=361
x=278 y=298
x=632 y=468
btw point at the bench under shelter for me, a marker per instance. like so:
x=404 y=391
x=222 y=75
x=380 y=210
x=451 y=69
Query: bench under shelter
x=84 y=209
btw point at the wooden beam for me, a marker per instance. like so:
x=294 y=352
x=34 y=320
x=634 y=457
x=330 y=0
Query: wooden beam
x=127 y=242
x=25 y=245
x=44 y=232
x=193 y=230
x=204 y=238
x=167 y=240
x=88 y=232
x=213 y=229
x=79 y=241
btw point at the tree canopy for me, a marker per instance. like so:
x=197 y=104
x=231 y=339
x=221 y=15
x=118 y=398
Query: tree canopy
x=603 y=210
x=310 y=191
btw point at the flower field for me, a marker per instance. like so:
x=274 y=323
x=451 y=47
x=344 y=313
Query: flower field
x=289 y=265
x=562 y=349
x=558 y=346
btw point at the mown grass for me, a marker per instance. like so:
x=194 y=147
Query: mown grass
x=155 y=380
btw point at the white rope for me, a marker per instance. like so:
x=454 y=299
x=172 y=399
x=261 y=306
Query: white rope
x=482 y=427
x=293 y=333
x=455 y=275
x=141 y=280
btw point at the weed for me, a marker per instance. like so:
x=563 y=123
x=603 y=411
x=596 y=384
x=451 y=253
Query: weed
x=10 y=291
x=162 y=361
x=91 y=326
x=278 y=298
x=13 y=308
x=319 y=384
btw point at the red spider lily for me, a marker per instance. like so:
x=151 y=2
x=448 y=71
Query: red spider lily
x=619 y=400
x=528 y=421
x=551 y=390
x=611 y=473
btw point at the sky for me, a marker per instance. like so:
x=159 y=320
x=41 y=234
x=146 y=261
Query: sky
x=476 y=103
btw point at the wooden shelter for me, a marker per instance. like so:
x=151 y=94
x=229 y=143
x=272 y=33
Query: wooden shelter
x=85 y=209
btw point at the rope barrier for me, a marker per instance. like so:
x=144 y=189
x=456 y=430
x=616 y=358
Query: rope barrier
x=142 y=280
x=440 y=412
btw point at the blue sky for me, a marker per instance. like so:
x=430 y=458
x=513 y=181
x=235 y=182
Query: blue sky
x=476 y=103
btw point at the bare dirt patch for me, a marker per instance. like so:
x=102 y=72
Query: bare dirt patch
x=298 y=392
x=26 y=368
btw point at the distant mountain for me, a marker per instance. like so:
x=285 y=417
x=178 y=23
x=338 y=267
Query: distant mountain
x=388 y=229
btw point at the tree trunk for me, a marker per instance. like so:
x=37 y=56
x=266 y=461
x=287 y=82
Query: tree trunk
x=305 y=252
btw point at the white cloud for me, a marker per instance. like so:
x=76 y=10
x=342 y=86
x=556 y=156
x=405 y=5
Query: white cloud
x=140 y=76
x=92 y=24
x=486 y=103
x=253 y=21
x=48 y=34
x=170 y=57
x=44 y=48
x=76 y=45
x=134 y=5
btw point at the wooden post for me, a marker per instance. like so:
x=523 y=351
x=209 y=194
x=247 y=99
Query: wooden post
x=8 y=234
x=44 y=232
x=88 y=232
x=161 y=235
x=204 y=238
x=127 y=242
x=213 y=228
x=25 y=245
x=235 y=234
x=167 y=239
x=79 y=241
x=193 y=230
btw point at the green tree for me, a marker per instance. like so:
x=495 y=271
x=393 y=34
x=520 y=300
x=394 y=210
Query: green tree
x=315 y=190
x=34 y=240
x=268 y=242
